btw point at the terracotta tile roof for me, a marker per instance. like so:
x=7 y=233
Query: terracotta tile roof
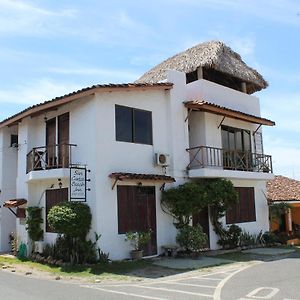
x=14 y=202
x=76 y=95
x=283 y=189
x=134 y=176
x=202 y=105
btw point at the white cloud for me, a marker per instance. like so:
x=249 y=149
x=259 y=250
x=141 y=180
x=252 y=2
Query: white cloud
x=36 y=92
x=26 y=19
x=284 y=108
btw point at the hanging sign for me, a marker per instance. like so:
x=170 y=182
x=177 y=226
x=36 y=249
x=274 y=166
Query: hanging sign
x=78 y=184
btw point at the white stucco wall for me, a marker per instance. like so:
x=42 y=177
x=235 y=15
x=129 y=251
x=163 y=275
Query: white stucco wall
x=8 y=169
x=92 y=129
x=215 y=93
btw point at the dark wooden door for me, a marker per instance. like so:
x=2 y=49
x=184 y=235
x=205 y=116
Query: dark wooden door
x=137 y=212
x=50 y=142
x=53 y=197
x=202 y=218
x=63 y=140
x=147 y=216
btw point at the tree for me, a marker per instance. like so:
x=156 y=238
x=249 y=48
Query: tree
x=183 y=201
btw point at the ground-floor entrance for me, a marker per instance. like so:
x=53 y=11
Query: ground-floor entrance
x=137 y=212
x=202 y=218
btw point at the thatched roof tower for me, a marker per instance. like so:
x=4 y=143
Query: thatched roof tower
x=218 y=62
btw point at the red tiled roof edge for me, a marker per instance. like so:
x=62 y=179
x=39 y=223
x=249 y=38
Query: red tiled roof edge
x=93 y=87
x=135 y=176
x=282 y=188
x=14 y=202
x=202 y=102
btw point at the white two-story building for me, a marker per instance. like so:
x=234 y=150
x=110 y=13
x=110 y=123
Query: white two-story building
x=192 y=116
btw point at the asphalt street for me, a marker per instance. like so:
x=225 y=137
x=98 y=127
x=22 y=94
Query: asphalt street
x=274 y=280
x=264 y=280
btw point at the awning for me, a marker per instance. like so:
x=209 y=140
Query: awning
x=14 y=203
x=226 y=112
x=134 y=176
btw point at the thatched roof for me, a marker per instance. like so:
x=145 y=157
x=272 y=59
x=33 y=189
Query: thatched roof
x=283 y=189
x=213 y=55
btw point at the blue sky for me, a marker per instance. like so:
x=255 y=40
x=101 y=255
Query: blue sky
x=49 y=48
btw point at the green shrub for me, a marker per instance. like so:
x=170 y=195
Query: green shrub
x=247 y=239
x=230 y=237
x=191 y=238
x=269 y=238
x=283 y=237
x=34 y=221
x=70 y=218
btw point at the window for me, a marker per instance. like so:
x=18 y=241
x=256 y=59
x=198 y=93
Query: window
x=244 y=210
x=14 y=140
x=236 y=145
x=133 y=125
x=53 y=197
x=236 y=139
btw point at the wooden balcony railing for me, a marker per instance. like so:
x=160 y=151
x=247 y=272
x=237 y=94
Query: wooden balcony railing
x=49 y=157
x=204 y=156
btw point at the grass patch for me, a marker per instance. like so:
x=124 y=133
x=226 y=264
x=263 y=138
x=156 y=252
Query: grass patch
x=114 y=270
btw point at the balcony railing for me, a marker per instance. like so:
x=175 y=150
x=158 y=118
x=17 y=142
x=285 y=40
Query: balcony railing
x=204 y=156
x=49 y=157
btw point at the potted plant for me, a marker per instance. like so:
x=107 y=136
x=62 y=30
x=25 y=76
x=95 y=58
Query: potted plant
x=138 y=240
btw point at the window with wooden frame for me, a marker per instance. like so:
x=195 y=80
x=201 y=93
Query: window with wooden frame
x=54 y=197
x=133 y=125
x=244 y=210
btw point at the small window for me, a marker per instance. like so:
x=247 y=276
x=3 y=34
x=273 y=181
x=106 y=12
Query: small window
x=14 y=140
x=192 y=76
x=133 y=125
x=244 y=210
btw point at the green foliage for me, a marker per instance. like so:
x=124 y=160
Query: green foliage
x=75 y=251
x=230 y=237
x=191 y=238
x=247 y=239
x=269 y=238
x=138 y=239
x=70 y=218
x=277 y=209
x=34 y=221
x=183 y=201
x=13 y=241
x=282 y=237
x=222 y=195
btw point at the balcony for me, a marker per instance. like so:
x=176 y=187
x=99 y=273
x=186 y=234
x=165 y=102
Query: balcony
x=215 y=160
x=49 y=157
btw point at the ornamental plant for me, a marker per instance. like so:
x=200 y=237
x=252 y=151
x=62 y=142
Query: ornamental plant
x=138 y=239
x=191 y=238
x=70 y=218
x=182 y=201
x=34 y=221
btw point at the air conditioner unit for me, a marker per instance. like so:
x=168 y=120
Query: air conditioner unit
x=162 y=159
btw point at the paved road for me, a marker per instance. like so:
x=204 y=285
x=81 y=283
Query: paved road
x=267 y=280
x=270 y=280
